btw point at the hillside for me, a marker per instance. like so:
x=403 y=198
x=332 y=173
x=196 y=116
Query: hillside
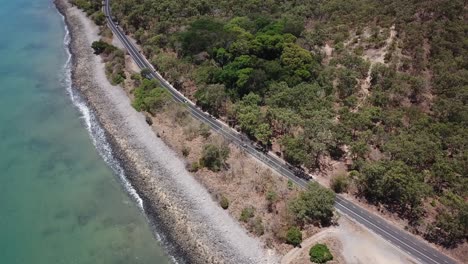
x=378 y=86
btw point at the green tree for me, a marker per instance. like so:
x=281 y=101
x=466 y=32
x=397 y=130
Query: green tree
x=395 y=184
x=263 y=133
x=320 y=253
x=313 y=205
x=202 y=35
x=204 y=131
x=299 y=63
x=318 y=137
x=211 y=98
x=99 y=18
x=294 y=236
x=450 y=226
x=347 y=83
x=99 y=46
x=294 y=150
x=214 y=157
x=150 y=97
x=339 y=183
x=248 y=114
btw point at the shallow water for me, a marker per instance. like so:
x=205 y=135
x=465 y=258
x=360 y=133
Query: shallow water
x=59 y=201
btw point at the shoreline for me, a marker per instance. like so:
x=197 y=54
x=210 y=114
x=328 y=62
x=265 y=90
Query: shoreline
x=91 y=120
x=175 y=204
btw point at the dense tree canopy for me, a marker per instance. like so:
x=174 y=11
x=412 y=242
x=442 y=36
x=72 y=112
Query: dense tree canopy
x=382 y=83
x=315 y=204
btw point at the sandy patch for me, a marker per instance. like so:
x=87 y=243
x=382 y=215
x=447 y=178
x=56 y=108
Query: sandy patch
x=351 y=244
x=360 y=246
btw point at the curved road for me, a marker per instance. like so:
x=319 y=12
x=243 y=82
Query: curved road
x=407 y=242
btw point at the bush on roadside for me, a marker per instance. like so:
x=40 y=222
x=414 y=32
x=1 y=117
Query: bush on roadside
x=145 y=72
x=320 y=253
x=294 y=236
x=99 y=18
x=150 y=97
x=339 y=183
x=314 y=205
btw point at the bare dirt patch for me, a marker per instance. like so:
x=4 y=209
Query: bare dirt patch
x=349 y=243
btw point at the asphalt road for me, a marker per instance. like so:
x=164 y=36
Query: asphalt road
x=407 y=242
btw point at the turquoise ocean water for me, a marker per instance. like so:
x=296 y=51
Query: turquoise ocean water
x=60 y=202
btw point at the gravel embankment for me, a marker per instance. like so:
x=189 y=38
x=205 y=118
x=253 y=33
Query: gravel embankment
x=198 y=229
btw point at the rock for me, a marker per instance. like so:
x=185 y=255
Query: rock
x=148 y=120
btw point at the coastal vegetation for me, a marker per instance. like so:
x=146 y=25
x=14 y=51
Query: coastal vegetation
x=389 y=99
x=114 y=59
x=378 y=86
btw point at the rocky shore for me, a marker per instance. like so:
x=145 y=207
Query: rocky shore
x=196 y=228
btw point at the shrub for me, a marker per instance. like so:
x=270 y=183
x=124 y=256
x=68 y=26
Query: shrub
x=320 y=254
x=87 y=5
x=194 y=167
x=247 y=213
x=99 y=18
x=136 y=78
x=339 y=183
x=257 y=226
x=271 y=197
x=145 y=72
x=150 y=97
x=82 y=4
x=294 y=236
x=99 y=46
x=118 y=79
x=290 y=185
x=185 y=151
x=213 y=157
x=204 y=131
x=224 y=202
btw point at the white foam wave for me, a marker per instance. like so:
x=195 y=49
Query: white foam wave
x=98 y=136
x=96 y=132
